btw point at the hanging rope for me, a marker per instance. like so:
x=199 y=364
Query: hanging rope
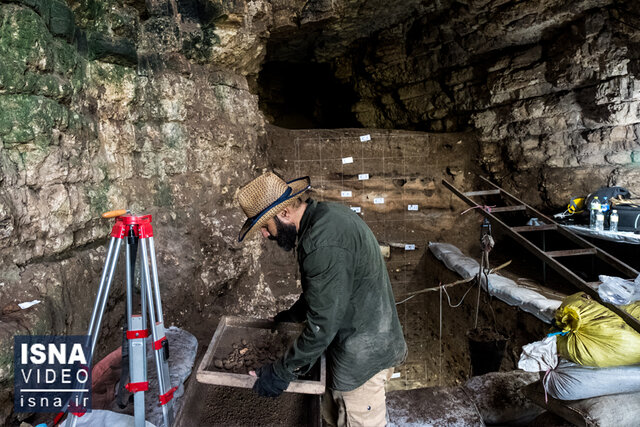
x=440 y=287
x=485 y=208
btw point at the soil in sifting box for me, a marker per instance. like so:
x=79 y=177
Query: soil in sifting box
x=241 y=350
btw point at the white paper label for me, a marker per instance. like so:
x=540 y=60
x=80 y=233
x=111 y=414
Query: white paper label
x=346 y=160
x=363 y=176
x=378 y=201
x=409 y=247
x=25 y=305
x=356 y=209
x=345 y=193
x=365 y=138
x=412 y=207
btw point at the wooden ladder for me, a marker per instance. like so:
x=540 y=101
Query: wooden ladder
x=550 y=258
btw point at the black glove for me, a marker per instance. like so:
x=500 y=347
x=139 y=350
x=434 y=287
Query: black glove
x=284 y=316
x=269 y=384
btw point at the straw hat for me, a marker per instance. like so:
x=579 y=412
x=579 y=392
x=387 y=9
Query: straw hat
x=267 y=195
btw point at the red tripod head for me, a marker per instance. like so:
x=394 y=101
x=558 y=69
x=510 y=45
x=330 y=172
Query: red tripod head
x=125 y=220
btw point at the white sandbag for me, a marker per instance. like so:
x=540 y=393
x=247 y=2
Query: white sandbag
x=524 y=298
x=617 y=410
x=454 y=259
x=539 y=356
x=503 y=288
x=569 y=381
x=104 y=418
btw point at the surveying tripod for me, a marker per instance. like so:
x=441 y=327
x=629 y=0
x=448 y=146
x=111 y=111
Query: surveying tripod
x=136 y=230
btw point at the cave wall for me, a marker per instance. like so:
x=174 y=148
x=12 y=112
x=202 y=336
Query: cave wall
x=107 y=105
x=551 y=88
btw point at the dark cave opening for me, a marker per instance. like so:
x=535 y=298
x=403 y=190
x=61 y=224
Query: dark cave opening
x=307 y=95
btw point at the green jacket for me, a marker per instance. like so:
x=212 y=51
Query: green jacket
x=346 y=300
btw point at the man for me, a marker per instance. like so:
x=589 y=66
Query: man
x=347 y=301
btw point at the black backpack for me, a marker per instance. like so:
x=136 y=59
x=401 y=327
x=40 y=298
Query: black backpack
x=608 y=192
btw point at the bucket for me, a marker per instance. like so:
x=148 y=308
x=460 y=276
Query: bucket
x=486 y=349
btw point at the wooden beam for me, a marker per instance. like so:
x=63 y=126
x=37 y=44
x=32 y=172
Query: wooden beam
x=526 y=228
x=571 y=252
x=482 y=193
x=509 y=208
x=569 y=275
x=622 y=267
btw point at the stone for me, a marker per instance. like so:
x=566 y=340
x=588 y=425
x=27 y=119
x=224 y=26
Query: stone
x=61 y=20
x=114 y=50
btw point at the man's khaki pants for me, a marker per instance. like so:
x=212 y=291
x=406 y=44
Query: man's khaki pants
x=364 y=406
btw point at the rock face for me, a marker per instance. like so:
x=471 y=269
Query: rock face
x=105 y=107
x=550 y=88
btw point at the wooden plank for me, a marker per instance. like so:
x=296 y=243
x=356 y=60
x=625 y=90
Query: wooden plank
x=571 y=252
x=482 y=193
x=535 y=392
x=569 y=275
x=509 y=208
x=204 y=375
x=527 y=228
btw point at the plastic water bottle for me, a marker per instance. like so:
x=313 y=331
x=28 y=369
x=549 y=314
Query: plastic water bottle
x=599 y=221
x=613 y=221
x=604 y=206
x=594 y=209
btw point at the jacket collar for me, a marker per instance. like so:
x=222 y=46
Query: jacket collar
x=306 y=217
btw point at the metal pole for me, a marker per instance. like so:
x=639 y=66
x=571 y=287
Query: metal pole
x=99 y=305
x=130 y=264
x=103 y=279
x=158 y=331
x=147 y=284
x=104 y=297
x=154 y=275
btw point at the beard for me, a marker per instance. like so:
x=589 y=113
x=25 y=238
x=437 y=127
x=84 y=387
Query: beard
x=286 y=235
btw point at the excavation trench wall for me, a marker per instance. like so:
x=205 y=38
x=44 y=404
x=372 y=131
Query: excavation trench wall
x=383 y=176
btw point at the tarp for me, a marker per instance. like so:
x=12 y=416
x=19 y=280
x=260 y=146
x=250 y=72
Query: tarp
x=540 y=355
x=504 y=289
x=182 y=355
x=104 y=418
x=612 y=236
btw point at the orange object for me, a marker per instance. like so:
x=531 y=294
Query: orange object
x=113 y=214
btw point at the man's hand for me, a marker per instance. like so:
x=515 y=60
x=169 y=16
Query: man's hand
x=269 y=384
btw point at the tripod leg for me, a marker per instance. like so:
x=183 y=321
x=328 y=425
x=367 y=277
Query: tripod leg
x=136 y=334
x=160 y=344
x=103 y=291
x=99 y=305
x=137 y=356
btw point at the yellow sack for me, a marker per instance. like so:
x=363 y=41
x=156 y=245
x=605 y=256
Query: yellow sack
x=597 y=336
